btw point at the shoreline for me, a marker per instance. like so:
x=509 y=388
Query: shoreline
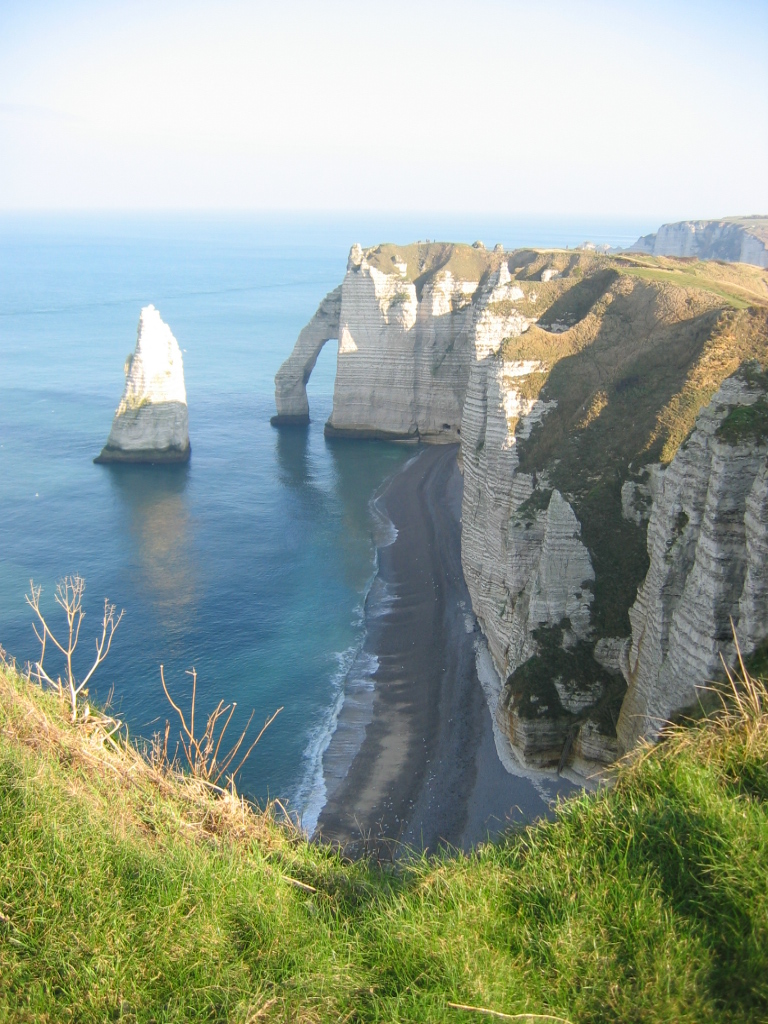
x=351 y=711
x=414 y=759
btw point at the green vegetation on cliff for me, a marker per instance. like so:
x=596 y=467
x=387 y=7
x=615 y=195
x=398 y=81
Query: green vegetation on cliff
x=424 y=260
x=632 y=349
x=129 y=894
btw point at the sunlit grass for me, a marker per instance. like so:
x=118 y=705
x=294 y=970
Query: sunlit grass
x=127 y=894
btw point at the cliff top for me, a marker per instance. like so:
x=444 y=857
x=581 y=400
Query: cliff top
x=739 y=284
x=756 y=225
x=130 y=894
x=420 y=261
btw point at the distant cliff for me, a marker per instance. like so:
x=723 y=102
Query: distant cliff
x=574 y=382
x=736 y=239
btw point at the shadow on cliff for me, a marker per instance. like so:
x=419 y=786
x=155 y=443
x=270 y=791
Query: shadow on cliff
x=579 y=300
x=609 y=396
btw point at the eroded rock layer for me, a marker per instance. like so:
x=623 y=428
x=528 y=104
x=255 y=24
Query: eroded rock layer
x=572 y=380
x=707 y=542
x=151 y=423
x=401 y=317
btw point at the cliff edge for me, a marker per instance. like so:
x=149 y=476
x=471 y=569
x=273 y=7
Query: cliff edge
x=614 y=518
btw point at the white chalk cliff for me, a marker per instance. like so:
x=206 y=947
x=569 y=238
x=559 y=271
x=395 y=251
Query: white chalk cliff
x=292 y=377
x=708 y=546
x=566 y=378
x=742 y=240
x=403 y=352
x=151 y=423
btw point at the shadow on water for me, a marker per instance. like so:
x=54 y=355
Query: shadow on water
x=293 y=456
x=362 y=465
x=361 y=468
x=158 y=528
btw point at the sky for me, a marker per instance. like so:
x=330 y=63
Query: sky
x=622 y=108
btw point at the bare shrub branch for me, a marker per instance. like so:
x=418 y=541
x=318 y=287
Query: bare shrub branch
x=202 y=752
x=69 y=597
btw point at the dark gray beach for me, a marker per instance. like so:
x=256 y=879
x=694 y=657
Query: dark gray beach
x=427 y=772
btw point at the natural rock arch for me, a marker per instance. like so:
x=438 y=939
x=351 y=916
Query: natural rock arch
x=291 y=379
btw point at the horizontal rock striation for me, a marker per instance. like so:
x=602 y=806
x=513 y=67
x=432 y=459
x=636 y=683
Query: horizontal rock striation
x=708 y=548
x=560 y=430
x=572 y=380
x=151 y=423
x=402 y=320
x=736 y=240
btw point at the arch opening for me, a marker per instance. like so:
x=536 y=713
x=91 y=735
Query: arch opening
x=291 y=379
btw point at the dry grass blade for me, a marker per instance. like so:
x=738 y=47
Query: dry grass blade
x=202 y=753
x=507 y=1016
x=747 y=693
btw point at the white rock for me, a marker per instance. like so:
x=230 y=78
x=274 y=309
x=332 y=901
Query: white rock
x=403 y=358
x=707 y=541
x=151 y=422
x=635 y=501
x=707 y=240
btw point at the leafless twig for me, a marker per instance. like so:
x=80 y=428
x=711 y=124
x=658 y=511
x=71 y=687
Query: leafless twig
x=202 y=752
x=69 y=596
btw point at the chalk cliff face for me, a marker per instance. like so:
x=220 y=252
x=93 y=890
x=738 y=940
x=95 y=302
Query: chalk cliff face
x=572 y=380
x=565 y=420
x=151 y=421
x=708 y=548
x=742 y=240
x=401 y=317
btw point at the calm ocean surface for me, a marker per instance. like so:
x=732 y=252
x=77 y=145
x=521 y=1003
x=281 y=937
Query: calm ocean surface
x=251 y=563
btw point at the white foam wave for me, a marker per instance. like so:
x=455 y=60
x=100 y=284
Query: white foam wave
x=384 y=530
x=353 y=681
x=310 y=795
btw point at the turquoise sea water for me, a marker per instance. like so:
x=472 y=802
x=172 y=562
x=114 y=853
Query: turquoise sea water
x=251 y=563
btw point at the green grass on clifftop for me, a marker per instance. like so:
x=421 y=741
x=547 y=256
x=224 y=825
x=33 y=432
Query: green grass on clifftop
x=126 y=894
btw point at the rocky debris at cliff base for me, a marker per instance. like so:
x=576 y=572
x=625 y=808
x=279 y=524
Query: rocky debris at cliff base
x=151 y=423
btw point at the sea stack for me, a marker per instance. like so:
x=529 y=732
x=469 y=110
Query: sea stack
x=151 y=422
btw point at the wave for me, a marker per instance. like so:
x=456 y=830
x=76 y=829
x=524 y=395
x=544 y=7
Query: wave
x=335 y=741
x=310 y=795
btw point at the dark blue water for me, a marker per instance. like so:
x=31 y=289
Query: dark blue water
x=252 y=562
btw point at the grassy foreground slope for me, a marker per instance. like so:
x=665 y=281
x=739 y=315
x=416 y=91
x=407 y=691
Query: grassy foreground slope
x=128 y=894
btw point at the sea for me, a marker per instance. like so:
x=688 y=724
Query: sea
x=252 y=563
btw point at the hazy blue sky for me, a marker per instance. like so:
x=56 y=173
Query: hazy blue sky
x=629 y=107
